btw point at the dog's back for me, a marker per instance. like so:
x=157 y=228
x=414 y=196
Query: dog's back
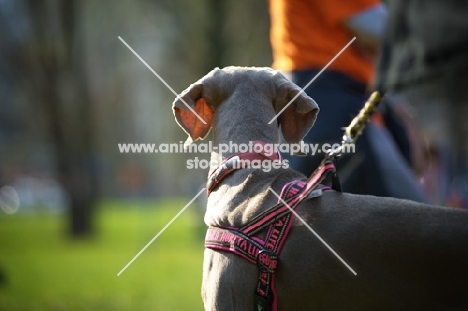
x=407 y=256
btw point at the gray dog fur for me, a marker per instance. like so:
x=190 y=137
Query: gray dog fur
x=408 y=256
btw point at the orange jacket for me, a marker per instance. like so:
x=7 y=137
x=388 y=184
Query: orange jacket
x=307 y=34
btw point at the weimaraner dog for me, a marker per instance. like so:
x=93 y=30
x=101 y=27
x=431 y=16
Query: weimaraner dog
x=407 y=255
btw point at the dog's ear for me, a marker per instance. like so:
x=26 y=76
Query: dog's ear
x=299 y=117
x=190 y=108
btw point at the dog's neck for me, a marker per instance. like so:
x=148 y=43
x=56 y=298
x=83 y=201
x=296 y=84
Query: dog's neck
x=238 y=127
x=234 y=199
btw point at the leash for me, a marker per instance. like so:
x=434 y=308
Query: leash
x=351 y=133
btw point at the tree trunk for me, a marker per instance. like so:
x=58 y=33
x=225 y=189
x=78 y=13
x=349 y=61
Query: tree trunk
x=215 y=35
x=62 y=90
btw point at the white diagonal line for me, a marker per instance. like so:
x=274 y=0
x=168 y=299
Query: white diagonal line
x=312 y=230
x=159 y=233
x=162 y=80
x=313 y=79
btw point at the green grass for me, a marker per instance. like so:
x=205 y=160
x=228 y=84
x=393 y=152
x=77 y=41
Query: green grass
x=45 y=270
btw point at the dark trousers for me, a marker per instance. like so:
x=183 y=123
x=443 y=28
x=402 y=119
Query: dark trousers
x=377 y=167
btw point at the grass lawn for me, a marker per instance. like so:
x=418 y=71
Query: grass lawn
x=44 y=270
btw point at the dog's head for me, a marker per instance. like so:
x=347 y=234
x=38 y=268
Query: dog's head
x=195 y=106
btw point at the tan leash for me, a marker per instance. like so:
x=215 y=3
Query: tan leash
x=352 y=132
x=357 y=125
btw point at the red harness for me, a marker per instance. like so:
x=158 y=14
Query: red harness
x=277 y=220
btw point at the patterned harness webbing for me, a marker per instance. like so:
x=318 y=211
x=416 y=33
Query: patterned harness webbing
x=264 y=253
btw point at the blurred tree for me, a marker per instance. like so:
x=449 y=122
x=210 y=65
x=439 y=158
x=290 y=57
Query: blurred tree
x=55 y=63
x=78 y=90
x=215 y=35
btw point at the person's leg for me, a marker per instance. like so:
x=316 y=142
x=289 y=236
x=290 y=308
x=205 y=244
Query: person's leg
x=385 y=169
x=339 y=100
x=376 y=167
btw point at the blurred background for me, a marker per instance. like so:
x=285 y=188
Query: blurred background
x=73 y=209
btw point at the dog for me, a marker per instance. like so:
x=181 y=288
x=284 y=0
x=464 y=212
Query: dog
x=407 y=255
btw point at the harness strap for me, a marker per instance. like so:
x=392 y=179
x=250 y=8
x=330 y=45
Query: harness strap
x=278 y=221
x=296 y=193
x=263 y=253
x=336 y=185
x=242 y=242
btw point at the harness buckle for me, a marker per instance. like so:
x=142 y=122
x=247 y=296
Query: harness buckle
x=267 y=261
